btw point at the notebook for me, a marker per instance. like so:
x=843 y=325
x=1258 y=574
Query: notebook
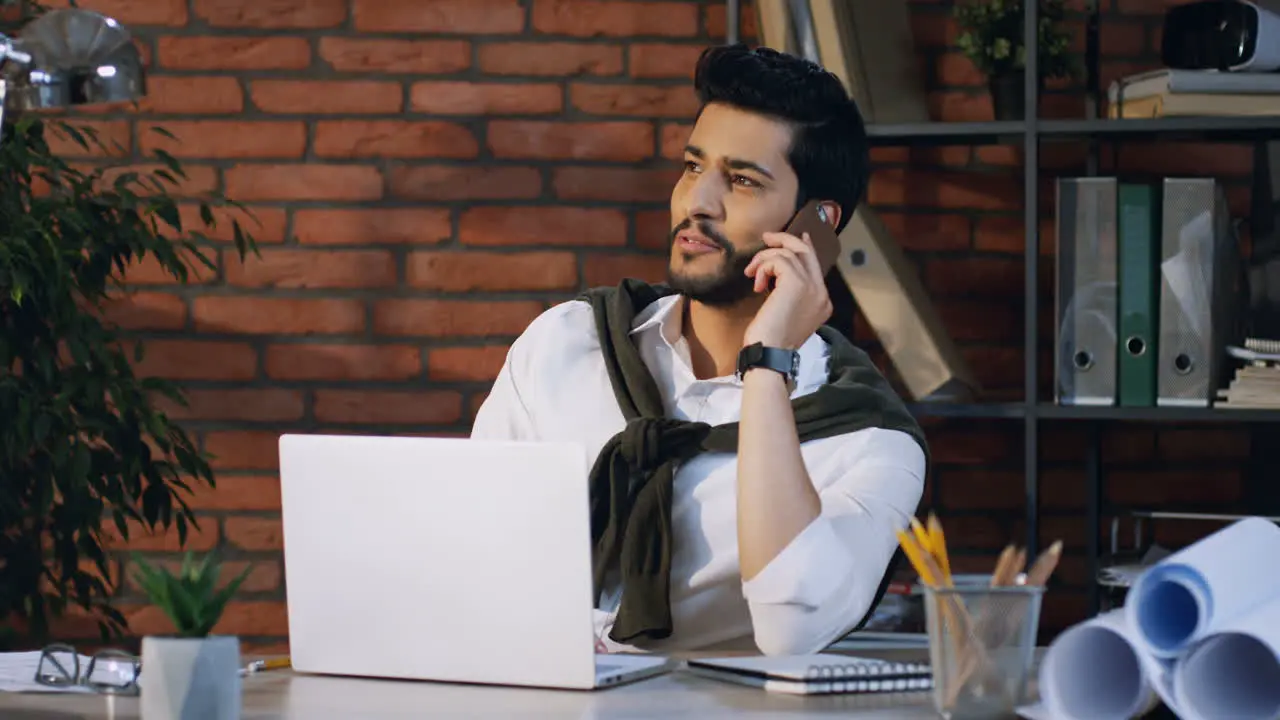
x=817 y=674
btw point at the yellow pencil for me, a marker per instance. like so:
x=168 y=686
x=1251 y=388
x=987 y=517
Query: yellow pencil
x=922 y=536
x=940 y=547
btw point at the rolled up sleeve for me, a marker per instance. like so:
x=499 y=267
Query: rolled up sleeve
x=822 y=583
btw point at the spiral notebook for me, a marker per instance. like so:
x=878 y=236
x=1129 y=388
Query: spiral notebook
x=817 y=674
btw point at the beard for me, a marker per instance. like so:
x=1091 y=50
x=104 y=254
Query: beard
x=727 y=285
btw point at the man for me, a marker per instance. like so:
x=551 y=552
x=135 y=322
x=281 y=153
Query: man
x=729 y=509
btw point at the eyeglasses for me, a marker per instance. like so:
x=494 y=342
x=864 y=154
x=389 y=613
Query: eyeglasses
x=112 y=672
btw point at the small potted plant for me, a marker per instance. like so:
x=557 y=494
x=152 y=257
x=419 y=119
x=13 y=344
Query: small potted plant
x=190 y=669
x=991 y=37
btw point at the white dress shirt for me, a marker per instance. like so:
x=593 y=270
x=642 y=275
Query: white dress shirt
x=553 y=387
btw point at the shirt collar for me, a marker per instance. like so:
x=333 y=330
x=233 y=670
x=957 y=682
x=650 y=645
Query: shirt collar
x=666 y=314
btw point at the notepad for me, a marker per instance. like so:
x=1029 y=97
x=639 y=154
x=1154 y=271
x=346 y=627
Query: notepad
x=817 y=674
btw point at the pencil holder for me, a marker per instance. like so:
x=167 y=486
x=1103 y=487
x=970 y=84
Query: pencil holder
x=982 y=643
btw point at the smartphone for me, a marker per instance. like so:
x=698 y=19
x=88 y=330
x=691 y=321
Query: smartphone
x=826 y=243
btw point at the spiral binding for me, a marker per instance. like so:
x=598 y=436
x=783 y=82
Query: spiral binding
x=864 y=671
x=1260 y=345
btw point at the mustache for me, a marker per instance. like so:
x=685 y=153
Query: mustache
x=704 y=228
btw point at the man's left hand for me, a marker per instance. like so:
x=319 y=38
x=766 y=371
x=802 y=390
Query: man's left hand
x=798 y=303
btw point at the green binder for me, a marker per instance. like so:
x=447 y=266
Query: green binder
x=1138 y=235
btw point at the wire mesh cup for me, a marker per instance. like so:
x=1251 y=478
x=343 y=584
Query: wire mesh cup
x=982 y=643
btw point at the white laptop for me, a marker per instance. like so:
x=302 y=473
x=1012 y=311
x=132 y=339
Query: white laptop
x=443 y=559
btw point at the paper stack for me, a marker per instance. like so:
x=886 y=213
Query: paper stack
x=1169 y=93
x=1199 y=631
x=1257 y=381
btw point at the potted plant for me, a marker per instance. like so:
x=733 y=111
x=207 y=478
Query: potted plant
x=83 y=446
x=192 y=668
x=991 y=37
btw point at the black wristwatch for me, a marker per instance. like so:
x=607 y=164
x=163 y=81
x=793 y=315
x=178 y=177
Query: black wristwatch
x=786 y=362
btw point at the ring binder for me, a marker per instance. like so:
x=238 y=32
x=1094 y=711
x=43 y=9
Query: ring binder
x=818 y=674
x=861 y=670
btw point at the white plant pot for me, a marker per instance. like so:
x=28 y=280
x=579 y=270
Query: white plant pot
x=190 y=678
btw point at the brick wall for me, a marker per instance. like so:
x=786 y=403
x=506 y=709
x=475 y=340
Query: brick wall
x=430 y=175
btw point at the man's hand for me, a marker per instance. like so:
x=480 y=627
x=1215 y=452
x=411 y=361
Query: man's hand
x=798 y=303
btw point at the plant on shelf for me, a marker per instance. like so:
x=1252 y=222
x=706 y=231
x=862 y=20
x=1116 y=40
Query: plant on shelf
x=193 y=668
x=991 y=38
x=86 y=451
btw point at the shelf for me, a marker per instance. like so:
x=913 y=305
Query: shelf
x=1174 y=414
x=1172 y=128
x=968 y=410
x=947 y=133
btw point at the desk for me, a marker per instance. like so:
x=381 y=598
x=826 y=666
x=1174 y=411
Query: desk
x=283 y=694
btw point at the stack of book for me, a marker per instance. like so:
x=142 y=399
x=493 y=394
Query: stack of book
x=1172 y=93
x=1257 y=381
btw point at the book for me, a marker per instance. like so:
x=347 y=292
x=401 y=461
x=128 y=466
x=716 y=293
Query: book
x=817 y=674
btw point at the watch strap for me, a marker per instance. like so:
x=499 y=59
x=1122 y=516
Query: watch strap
x=786 y=362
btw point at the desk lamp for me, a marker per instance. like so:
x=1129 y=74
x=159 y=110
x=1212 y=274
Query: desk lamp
x=69 y=57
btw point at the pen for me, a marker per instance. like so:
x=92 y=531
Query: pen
x=263 y=665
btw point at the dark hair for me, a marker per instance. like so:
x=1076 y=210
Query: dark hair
x=829 y=149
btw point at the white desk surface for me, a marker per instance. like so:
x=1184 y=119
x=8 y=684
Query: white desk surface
x=283 y=694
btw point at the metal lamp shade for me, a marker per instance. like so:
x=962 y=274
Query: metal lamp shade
x=77 y=57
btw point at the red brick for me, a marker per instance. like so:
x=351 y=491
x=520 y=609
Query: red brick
x=140 y=538
x=599 y=269
x=1202 y=443
x=466 y=364
x=237 y=492
x=675 y=136
x=469 y=271
x=254 y=533
x=197 y=360
x=640 y=100
x=393 y=138
x=568 y=59
x=457 y=97
x=714 y=18
x=273 y=13
x=192 y=95
x=975 y=275
x=172 y=13
x=653 y=229
x=420 y=57
x=214 y=139
x=663 y=60
x=956 y=70
x=929 y=189
x=264 y=575
x=928 y=231
x=437 y=183
x=312 y=181
x=526 y=139
x=243 y=450
x=319 y=97
x=257 y=617
x=487 y=17
x=614 y=18
x=453 y=318
x=233 y=53
x=314 y=269
x=614 y=184
x=265 y=224
x=104 y=138
x=252 y=405
x=277 y=316
x=147 y=311
x=311 y=361
x=402 y=407
x=1180 y=158
x=981 y=489
x=496 y=225
x=980 y=320
x=391 y=226
x=199 y=180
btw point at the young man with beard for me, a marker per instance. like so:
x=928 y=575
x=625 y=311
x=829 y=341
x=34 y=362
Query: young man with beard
x=750 y=466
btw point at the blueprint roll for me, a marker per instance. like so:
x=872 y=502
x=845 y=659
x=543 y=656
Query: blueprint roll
x=1093 y=671
x=1234 y=673
x=1185 y=597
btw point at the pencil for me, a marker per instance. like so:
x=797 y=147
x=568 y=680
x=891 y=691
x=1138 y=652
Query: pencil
x=940 y=547
x=918 y=558
x=1044 y=565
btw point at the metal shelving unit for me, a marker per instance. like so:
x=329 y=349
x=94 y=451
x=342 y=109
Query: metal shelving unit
x=1096 y=131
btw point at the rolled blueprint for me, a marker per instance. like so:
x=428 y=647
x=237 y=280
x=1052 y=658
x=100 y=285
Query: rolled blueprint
x=1234 y=673
x=1094 y=671
x=1186 y=596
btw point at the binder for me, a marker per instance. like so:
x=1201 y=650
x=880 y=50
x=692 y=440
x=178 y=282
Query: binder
x=1085 y=303
x=817 y=674
x=1138 y=233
